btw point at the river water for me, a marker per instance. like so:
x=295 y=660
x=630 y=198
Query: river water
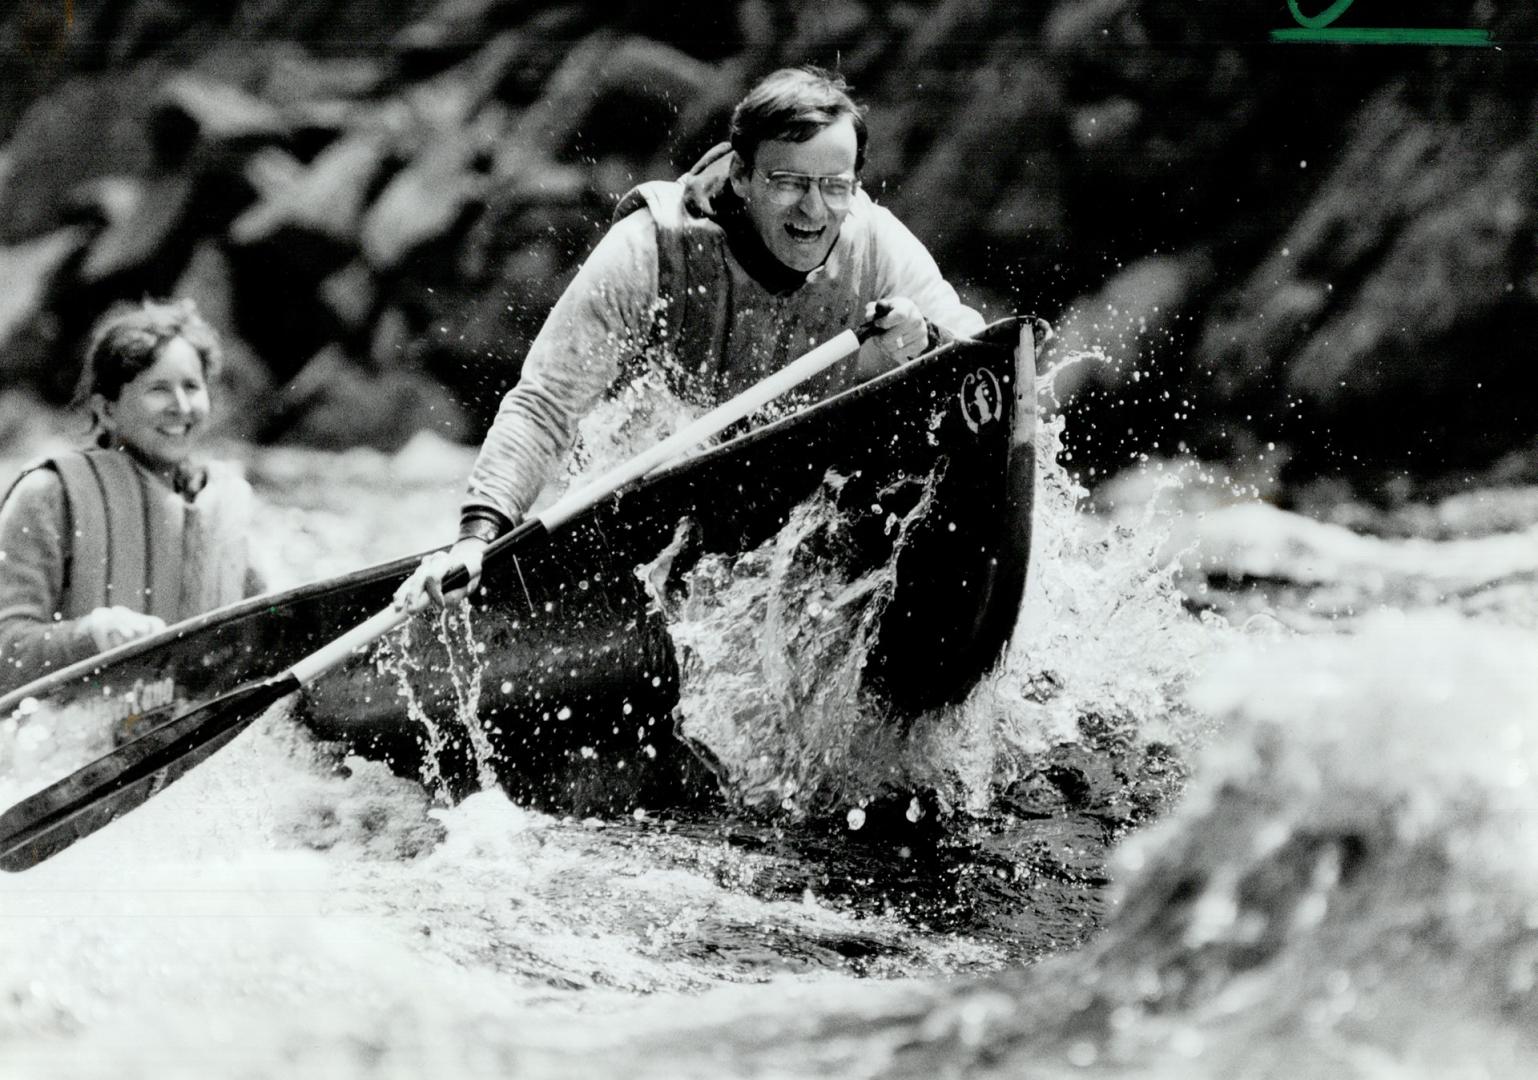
x=1250 y=795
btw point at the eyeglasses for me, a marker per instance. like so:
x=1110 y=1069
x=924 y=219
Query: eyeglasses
x=789 y=188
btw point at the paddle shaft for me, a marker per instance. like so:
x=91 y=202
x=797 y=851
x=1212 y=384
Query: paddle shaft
x=716 y=420
x=359 y=637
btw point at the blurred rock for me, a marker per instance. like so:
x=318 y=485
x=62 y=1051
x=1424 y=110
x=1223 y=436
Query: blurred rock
x=91 y=126
x=455 y=27
x=474 y=341
x=427 y=198
x=296 y=78
x=351 y=294
x=26 y=272
x=35 y=348
x=517 y=260
x=322 y=202
x=281 y=307
x=448 y=101
x=242 y=392
x=1002 y=138
x=105 y=201
x=415 y=182
x=142 y=224
x=208 y=282
x=339 y=29
x=1388 y=310
x=703 y=29
x=192 y=110
x=333 y=404
x=622 y=95
x=758 y=24
x=839 y=33
x=392 y=338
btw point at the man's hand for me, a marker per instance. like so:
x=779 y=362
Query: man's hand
x=109 y=627
x=903 y=332
x=425 y=585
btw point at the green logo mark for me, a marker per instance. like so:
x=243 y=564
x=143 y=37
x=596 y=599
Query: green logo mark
x=1319 y=28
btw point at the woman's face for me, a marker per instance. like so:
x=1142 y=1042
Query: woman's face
x=160 y=414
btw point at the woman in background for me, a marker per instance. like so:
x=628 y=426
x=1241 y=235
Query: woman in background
x=111 y=543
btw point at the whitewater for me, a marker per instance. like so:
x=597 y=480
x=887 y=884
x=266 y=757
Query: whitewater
x=1250 y=794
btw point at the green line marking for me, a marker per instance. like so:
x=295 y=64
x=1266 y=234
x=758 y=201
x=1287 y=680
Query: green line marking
x=1381 y=35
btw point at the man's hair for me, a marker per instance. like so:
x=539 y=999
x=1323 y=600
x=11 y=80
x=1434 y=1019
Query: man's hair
x=792 y=105
x=128 y=338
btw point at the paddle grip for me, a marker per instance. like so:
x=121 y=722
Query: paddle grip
x=456 y=578
x=868 y=329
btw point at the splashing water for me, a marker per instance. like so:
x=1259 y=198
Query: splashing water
x=772 y=647
x=1346 y=888
x=773 y=642
x=639 y=415
x=1104 y=634
x=38 y=745
x=460 y=654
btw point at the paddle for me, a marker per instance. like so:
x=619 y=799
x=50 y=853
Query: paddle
x=46 y=823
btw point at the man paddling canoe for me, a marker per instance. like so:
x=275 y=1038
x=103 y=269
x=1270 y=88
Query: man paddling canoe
x=764 y=248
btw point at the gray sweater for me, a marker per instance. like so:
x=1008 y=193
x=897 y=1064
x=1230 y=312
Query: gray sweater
x=607 y=321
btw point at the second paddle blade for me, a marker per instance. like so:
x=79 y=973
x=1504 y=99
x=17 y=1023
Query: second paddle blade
x=46 y=823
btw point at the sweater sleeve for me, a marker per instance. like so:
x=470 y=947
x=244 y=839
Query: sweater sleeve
x=908 y=269
x=605 y=316
x=33 y=638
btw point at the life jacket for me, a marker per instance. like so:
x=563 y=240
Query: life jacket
x=698 y=288
x=131 y=540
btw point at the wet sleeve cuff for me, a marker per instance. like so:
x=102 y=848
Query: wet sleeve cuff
x=483 y=523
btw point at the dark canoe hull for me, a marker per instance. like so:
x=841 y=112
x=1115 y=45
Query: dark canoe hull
x=580 y=675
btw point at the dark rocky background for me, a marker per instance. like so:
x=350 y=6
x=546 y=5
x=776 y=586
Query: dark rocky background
x=1326 y=248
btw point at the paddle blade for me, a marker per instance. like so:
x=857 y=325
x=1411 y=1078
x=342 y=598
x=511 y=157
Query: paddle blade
x=46 y=823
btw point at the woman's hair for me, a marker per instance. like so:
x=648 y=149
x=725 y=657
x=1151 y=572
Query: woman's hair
x=128 y=338
x=792 y=105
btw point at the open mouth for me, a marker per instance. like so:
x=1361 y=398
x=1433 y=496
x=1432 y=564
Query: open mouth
x=803 y=235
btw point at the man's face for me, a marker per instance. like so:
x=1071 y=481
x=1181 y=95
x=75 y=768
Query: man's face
x=801 y=233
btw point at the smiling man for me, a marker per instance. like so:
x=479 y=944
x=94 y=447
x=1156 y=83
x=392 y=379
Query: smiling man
x=766 y=248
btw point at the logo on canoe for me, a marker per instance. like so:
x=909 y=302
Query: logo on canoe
x=981 y=399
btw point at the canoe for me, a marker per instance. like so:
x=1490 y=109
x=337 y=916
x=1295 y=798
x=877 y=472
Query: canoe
x=575 y=674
